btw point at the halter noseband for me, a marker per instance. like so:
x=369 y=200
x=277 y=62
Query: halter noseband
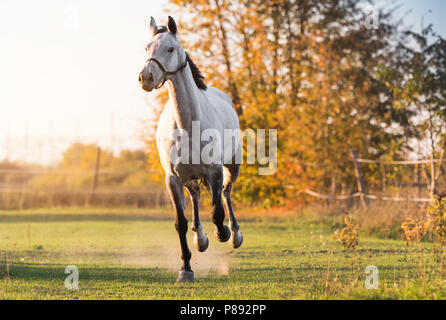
x=165 y=72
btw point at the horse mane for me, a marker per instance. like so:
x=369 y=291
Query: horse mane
x=196 y=73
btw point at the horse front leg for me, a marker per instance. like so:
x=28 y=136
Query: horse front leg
x=222 y=232
x=175 y=187
x=201 y=241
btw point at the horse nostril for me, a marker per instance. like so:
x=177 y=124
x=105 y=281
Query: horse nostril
x=140 y=77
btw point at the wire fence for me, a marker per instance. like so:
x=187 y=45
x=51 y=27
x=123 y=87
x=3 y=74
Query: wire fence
x=24 y=196
x=19 y=195
x=26 y=159
x=432 y=175
x=20 y=199
x=367 y=196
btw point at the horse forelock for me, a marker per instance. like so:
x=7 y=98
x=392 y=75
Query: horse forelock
x=159 y=30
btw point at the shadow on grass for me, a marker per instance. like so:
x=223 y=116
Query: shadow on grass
x=116 y=274
x=50 y=273
x=96 y=276
x=90 y=217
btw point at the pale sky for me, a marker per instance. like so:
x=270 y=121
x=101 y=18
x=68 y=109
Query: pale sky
x=68 y=69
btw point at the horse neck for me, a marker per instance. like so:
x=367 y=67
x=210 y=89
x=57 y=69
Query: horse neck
x=183 y=92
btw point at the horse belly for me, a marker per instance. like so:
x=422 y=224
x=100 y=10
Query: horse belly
x=190 y=171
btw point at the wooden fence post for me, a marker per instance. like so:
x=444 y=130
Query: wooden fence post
x=332 y=199
x=419 y=179
x=438 y=173
x=96 y=169
x=383 y=174
x=359 y=180
x=433 y=186
x=96 y=175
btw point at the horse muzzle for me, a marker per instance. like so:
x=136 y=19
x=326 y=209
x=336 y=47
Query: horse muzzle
x=146 y=85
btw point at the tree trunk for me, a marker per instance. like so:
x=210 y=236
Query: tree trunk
x=225 y=52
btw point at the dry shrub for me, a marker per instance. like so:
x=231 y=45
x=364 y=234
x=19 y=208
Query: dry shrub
x=437 y=220
x=382 y=219
x=348 y=235
x=414 y=230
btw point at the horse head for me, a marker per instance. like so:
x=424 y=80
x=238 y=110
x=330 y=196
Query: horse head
x=166 y=56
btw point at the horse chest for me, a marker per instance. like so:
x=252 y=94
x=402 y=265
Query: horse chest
x=172 y=160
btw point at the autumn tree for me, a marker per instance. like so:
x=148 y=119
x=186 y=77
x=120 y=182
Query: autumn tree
x=310 y=69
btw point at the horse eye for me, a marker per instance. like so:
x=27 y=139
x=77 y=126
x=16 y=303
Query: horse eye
x=171 y=49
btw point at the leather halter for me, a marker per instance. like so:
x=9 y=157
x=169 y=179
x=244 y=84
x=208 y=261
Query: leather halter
x=165 y=72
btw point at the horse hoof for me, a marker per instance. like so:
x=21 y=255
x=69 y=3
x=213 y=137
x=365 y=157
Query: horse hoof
x=223 y=236
x=236 y=239
x=201 y=242
x=185 y=276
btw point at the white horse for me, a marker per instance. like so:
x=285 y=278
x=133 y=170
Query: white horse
x=191 y=102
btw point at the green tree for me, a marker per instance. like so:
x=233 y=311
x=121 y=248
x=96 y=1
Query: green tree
x=417 y=80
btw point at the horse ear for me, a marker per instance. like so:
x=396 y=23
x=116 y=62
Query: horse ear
x=152 y=25
x=172 y=26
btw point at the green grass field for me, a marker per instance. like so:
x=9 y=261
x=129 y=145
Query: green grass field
x=131 y=254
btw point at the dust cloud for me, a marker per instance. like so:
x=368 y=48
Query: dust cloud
x=204 y=264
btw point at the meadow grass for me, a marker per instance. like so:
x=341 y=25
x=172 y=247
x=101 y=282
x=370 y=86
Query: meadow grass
x=134 y=254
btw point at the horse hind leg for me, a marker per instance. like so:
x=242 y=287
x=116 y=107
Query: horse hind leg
x=221 y=231
x=201 y=241
x=230 y=176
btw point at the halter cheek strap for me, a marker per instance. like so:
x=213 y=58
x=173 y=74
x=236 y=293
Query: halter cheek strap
x=165 y=72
